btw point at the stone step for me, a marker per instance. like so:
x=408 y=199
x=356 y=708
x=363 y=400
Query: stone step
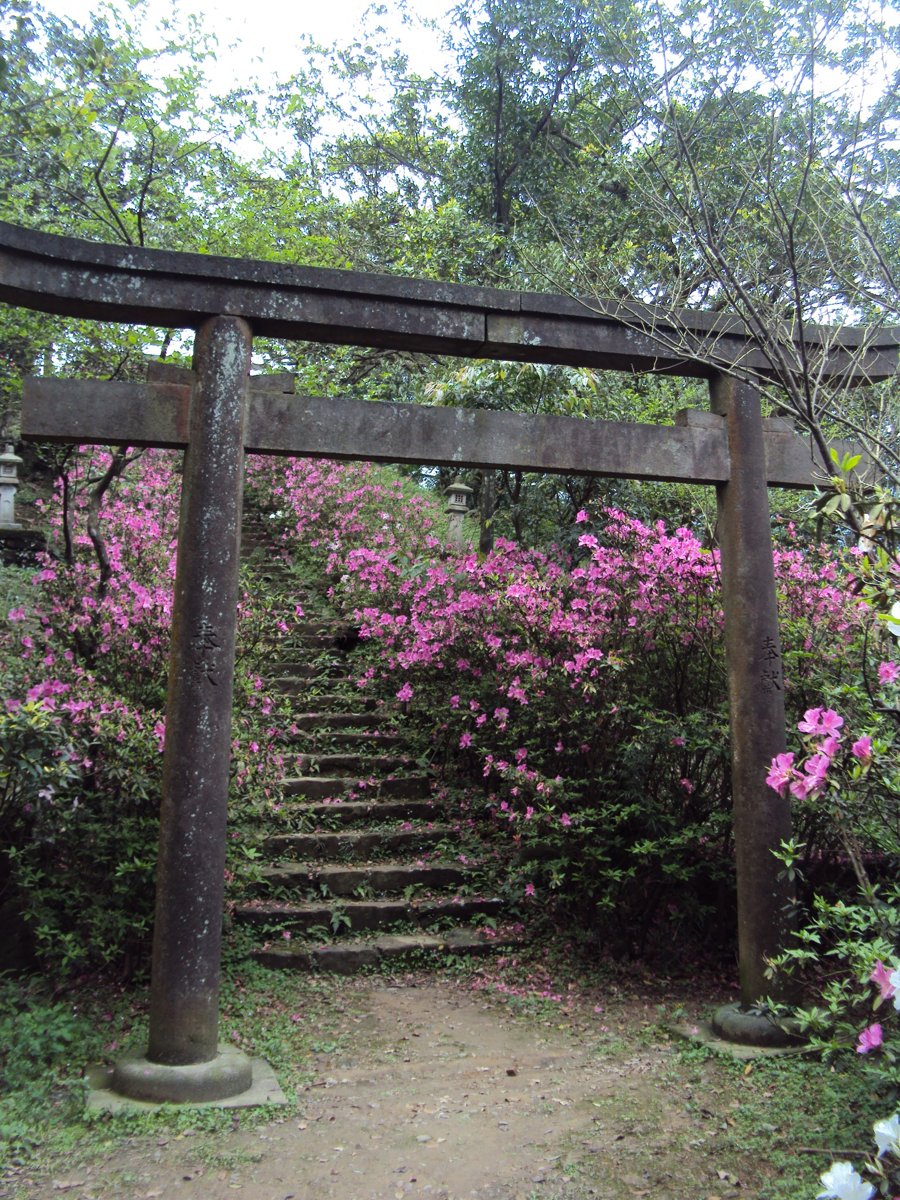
x=356 y=844
x=303 y=646
x=363 y=915
x=353 y=763
x=280 y=575
x=294 y=662
x=335 y=720
x=306 y=647
x=348 y=957
x=362 y=739
x=319 y=627
x=384 y=878
x=295 y=679
x=337 y=703
x=354 y=812
x=321 y=787
x=367 y=823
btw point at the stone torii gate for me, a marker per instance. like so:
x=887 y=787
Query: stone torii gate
x=216 y=412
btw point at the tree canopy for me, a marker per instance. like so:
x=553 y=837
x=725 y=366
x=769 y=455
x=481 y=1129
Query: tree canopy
x=740 y=161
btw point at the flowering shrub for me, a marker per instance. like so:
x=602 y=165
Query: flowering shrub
x=584 y=693
x=106 y=589
x=851 y=786
x=589 y=696
x=850 y=783
x=83 y=664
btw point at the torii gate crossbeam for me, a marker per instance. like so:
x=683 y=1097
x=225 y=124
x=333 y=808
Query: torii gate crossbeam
x=218 y=412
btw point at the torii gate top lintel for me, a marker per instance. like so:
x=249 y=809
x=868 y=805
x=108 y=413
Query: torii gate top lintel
x=73 y=277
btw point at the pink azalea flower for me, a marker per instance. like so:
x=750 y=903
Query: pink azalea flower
x=465 y=741
x=582 y=516
x=824 y=721
x=831 y=722
x=529 y=889
x=781 y=772
x=565 y=820
x=870 y=1039
x=888 y=672
x=405 y=692
x=862 y=749
x=810 y=722
x=801 y=788
x=816 y=768
x=882 y=976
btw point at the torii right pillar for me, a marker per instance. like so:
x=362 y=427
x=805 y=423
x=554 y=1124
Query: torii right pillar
x=762 y=818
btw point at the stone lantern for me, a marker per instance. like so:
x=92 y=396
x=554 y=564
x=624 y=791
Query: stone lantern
x=458 y=496
x=9 y=479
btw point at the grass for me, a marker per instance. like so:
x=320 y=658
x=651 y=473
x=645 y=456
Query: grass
x=47 y=1042
x=803 y=1115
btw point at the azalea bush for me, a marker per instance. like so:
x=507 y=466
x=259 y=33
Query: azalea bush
x=83 y=667
x=329 y=518
x=580 y=696
x=849 y=782
x=588 y=693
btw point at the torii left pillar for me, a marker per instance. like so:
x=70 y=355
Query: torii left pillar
x=184 y=1062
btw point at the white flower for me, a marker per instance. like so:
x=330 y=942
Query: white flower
x=887 y=1134
x=843 y=1183
x=893 y=623
x=894 y=980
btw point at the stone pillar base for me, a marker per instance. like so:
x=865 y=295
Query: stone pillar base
x=228 y=1074
x=754 y=1027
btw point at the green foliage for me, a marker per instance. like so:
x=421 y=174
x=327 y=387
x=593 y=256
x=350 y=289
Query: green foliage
x=834 y=954
x=40 y=1041
x=81 y=868
x=36 y=1034
x=845 y=943
x=783 y=1104
x=36 y=770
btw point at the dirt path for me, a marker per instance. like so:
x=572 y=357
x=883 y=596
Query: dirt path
x=449 y=1096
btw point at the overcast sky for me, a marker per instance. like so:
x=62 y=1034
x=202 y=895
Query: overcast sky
x=259 y=37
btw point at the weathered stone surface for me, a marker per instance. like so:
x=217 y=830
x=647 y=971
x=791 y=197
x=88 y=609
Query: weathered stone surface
x=184 y=987
x=227 y=1074
x=366 y=914
x=379 y=877
x=343 y=958
x=319 y=787
x=754 y=1027
x=346 y=958
x=355 y=844
x=126 y=283
x=352 y=811
x=692 y=451
x=762 y=818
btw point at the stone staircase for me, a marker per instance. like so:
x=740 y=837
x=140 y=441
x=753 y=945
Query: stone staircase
x=369 y=864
